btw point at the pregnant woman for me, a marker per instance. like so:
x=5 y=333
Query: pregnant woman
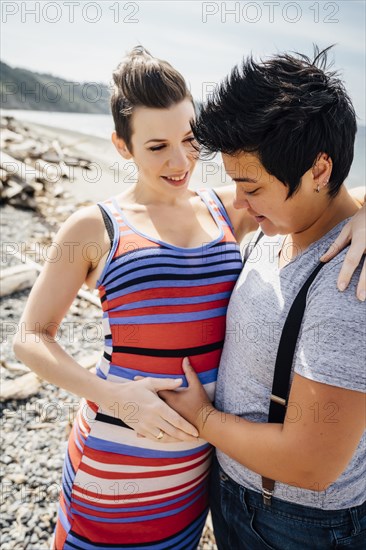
x=135 y=472
x=168 y=263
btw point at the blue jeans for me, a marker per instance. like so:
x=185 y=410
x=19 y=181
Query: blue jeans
x=242 y=522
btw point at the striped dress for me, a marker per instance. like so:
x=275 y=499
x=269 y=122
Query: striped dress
x=160 y=303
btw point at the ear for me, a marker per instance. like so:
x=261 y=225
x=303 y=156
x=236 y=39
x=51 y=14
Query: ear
x=322 y=170
x=121 y=146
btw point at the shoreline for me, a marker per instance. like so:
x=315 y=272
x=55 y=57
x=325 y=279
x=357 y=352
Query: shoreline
x=110 y=173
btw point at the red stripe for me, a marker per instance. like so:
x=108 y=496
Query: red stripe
x=132 y=514
x=167 y=365
x=168 y=310
x=104 y=474
x=115 y=458
x=136 y=532
x=176 y=335
x=171 y=292
x=133 y=243
x=124 y=496
x=130 y=504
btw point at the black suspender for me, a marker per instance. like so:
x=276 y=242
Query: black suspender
x=284 y=360
x=249 y=248
x=283 y=366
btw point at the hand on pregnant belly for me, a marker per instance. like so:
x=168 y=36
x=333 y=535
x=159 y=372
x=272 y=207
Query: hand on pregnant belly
x=193 y=402
x=148 y=414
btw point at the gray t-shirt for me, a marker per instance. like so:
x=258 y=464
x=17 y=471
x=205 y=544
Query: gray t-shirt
x=330 y=349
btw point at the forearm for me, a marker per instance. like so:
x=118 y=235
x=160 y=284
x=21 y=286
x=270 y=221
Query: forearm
x=44 y=356
x=263 y=448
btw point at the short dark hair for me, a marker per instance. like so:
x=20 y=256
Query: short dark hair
x=142 y=80
x=286 y=110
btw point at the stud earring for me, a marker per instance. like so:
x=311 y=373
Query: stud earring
x=317 y=190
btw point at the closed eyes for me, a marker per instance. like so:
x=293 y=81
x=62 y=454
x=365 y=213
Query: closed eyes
x=251 y=192
x=160 y=147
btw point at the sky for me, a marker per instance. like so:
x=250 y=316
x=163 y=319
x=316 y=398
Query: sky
x=84 y=41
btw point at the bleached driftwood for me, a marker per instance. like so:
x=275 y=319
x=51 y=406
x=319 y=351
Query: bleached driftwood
x=20 y=388
x=4 y=175
x=23 y=171
x=18 y=368
x=85 y=294
x=17 y=277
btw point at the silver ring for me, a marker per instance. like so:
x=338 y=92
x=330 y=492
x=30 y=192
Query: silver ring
x=160 y=435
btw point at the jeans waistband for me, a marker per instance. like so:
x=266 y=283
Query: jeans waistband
x=254 y=499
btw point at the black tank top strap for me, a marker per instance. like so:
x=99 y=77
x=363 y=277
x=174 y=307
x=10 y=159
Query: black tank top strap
x=108 y=224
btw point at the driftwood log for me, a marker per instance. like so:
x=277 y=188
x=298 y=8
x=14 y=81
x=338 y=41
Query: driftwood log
x=17 y=277
x=20 y=388
x=31 y=166
x=85 y=294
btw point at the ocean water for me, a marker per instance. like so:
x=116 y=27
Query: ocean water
x=102 y=126
x=89 y=124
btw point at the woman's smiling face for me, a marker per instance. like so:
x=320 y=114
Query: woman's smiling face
x=162 y=145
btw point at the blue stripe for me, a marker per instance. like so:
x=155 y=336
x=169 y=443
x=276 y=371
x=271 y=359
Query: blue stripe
x=156 y=272
x=146 y=268
x=221 y=207
x=80 y=437
x=169 y=318
x=187 y=255
x=98 y=371
x=204 y=377
x=187 y=535
x=182 y=539
x=120 y=448
x=63 y=519
x=142 y=257
x=139 y=508
x=135 y=519
x=69 y=477
x=82 y=545
x=155 y=302
x=224 y=253
x=169 y=284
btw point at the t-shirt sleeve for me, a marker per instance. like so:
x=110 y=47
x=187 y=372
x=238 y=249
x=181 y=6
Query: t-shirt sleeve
x=331 y=345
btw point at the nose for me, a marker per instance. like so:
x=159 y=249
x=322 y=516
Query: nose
x=178 y=159
x=240 y=203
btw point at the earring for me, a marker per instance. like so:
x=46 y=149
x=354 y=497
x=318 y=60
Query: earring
x=317 y=190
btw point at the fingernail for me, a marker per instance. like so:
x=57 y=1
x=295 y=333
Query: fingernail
x=342 y=286
x=195 y=434
x=362 y=295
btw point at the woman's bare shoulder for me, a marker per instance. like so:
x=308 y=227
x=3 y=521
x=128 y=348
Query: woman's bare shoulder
x=86 y=216
x=86 y=226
